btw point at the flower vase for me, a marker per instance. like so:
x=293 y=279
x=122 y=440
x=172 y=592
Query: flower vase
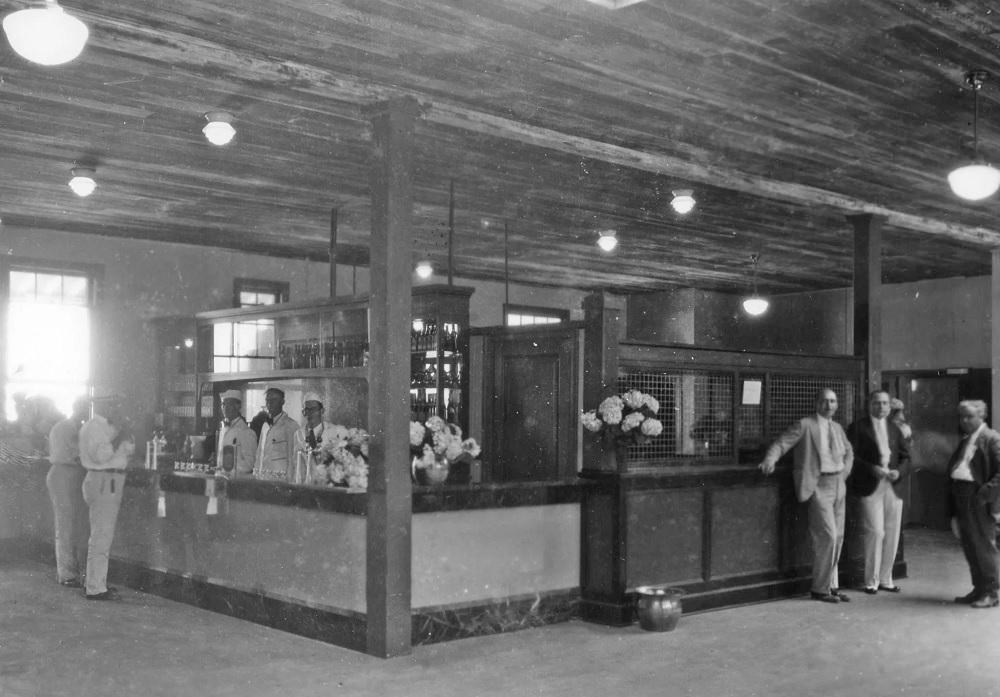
x=614 y=456
x=435 y=475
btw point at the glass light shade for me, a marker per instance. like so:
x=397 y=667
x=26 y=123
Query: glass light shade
x=219 y=129
x=424 y=269
x=45 y=35
x=683 y=201
x=608 y=240
x=975 y=181
x=755 y=305
x=82 y=183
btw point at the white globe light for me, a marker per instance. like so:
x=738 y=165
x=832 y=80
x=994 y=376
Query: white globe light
x=755 y=306
x=974 y=182
x=82 y=183
x=219 y=132
x=683 y=201
x=608 y=240
x=424 y=269
x=46 y=35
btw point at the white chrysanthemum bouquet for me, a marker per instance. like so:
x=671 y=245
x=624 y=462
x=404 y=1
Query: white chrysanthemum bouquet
x=628 y=419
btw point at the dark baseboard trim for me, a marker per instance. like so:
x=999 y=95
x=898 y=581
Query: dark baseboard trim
x=344 y=629
x=431 y=625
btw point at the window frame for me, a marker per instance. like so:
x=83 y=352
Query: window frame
x=9 y=263
x=259 y=285
x=535 y=311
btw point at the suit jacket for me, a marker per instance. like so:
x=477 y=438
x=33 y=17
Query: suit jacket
x=804 y=436
x=867 y=458
x=985 y=466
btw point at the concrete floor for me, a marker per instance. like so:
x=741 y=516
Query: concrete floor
x=53 y=643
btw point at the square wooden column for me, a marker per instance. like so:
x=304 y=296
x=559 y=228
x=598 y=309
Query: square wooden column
x=389 y=508
x=868 y=296
x=995 y=336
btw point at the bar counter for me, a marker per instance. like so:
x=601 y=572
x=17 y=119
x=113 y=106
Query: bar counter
x=485 y=558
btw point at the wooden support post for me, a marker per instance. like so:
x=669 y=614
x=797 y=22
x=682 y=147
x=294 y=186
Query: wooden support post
x=389 y=507
x=994 y=337
x=868 y=296
x=604 y=317
x=333 y=252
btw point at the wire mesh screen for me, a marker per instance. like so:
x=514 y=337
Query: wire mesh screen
x=793 y=396
x=695 y=408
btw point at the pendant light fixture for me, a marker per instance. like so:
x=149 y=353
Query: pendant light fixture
x=607 y=240
x=424 y=269
x=82 y=183
x=755 y=305
x=219 y=129
x=46 y=34
x=976 y=180
x=683 y=201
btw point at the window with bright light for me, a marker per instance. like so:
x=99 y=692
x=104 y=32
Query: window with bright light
x=48 y=336
x=524 y=315
x=252 y=292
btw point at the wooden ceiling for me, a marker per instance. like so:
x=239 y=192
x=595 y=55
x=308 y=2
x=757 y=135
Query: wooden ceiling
x=556 y=118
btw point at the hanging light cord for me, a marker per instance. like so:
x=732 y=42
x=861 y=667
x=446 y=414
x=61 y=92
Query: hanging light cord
x=753 y=260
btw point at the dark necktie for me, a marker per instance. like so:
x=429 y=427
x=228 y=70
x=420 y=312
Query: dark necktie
x=311 y=438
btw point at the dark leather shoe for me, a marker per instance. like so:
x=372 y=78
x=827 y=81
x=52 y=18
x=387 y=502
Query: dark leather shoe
x=988 y=600
x=109 y=594
x=968 y=598
x=839 y=596
x=871 y=591
x=72 y=583
x=890 y=589
x=824 y=597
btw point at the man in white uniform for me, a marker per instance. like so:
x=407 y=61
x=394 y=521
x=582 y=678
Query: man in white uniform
x=236 y=433
x=276 y=450
x=105 y=447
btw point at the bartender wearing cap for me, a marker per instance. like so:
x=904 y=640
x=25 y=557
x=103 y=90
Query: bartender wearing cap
x=105 y=447
x=276 y=450
x=310 y=436
x=235 y=432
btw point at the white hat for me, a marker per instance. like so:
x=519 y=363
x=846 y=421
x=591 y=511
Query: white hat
x=231 y=394
x=312 y=397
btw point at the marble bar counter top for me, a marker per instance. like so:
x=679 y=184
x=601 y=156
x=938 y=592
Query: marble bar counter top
x=426 y=499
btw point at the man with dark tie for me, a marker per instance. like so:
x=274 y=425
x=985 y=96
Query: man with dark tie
x=276 y=448
x=974 y=472
x=881 y=461
x=315 y=430
x=822 y=461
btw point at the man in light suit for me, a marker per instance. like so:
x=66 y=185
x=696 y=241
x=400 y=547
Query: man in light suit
x=822 y=462
x=881 y=461
x=974 y=472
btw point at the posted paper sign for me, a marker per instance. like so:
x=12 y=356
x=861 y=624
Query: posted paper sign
x=751 y=392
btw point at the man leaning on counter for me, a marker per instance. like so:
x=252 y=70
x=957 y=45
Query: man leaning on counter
x=276 y=450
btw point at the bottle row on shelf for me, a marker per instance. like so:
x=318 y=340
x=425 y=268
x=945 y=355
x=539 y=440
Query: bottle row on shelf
x=424 y=336
x=427 y=376
x=329 y=353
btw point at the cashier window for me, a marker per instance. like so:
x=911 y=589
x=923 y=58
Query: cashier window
x=47 y=311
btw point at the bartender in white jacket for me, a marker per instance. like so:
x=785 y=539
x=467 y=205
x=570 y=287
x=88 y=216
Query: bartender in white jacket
x=235 y=432
x=105 y=447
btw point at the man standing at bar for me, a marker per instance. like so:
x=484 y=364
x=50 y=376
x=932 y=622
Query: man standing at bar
x=276 y=450
x=236 y=433
x=974 y=472
x=822 y=461
x=105 y=447
x=65 y=484
x=881 y=461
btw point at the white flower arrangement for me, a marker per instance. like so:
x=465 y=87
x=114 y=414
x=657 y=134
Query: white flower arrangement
x=342 y=458
x=436 y=440
x=628 y=418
